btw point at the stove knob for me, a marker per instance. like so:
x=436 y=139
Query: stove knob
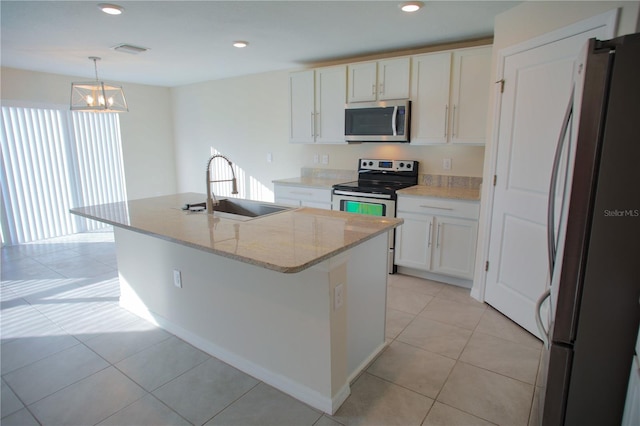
x=364 y=164
x=401 y=165
x=370 y=163
x=409 y=166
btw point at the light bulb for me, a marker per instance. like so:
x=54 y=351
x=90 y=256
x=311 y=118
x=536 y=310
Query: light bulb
x=89 y=100
x=111 y=9
x=411 y=6
x=101 y=100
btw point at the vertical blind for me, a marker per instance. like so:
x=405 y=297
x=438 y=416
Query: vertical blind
x=54 y=160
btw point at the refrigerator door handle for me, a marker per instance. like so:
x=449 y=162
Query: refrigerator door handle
x=543 y=331
x=551 y=209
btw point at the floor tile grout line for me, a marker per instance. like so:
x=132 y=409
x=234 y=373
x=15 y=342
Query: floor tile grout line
x=234 y=401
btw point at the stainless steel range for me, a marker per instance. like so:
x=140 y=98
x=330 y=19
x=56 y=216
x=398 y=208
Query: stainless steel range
x=374 y=193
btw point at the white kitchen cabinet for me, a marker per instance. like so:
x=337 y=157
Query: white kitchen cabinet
x=450 y=95
x=379 y=80
x=301 y=107
x=302 y=196
x=470 y=95
x=455 y=246
x=430 y=92
x=413 y=242
x=438 y=236
x=316 y=100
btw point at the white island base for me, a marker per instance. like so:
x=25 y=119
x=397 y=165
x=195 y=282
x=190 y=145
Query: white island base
x=290 y=330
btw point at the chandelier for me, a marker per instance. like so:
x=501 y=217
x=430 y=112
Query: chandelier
x=97 y=96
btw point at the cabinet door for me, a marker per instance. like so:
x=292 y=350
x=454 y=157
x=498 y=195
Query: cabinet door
x=413 y=241
x=455 y=246
x=430 y=98
x=470 y=95
x=301 y=107
x=393 y=79
x=331 y=94
x=363 y=82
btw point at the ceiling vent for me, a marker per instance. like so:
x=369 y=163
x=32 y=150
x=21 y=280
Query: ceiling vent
x=129 y=48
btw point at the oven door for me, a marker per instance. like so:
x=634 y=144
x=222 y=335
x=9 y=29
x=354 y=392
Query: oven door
x=354 y=202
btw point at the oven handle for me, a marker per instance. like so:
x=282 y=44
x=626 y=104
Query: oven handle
x=362 y=194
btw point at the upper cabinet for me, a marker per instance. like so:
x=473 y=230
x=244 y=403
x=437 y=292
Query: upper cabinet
x=379 y=80
x=450 y=96
x=449 y=93
x=316 y=105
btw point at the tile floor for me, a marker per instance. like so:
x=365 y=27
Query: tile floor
x=71 y=356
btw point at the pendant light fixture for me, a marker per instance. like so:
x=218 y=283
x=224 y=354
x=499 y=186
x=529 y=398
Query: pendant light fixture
x=97 y=96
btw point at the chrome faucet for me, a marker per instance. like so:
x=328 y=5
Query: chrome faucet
x=211 y=197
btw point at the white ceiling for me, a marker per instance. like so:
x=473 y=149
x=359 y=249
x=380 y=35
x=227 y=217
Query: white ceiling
x=190 y=41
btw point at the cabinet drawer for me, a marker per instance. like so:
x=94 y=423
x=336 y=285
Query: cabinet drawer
x=303 y=193
x=438 y=206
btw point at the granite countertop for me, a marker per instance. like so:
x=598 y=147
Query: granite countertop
x=450 y=192
x=312 y=181
x=288 y=242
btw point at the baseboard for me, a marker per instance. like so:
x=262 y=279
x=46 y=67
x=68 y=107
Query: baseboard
x=291 y=388
x=460 y=282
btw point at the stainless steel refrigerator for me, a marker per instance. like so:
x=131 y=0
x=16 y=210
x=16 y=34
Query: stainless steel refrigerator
x=594 y=242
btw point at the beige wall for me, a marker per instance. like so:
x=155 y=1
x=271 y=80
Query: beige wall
x=519 y=24
x=246 y=118
x=147 y=129
x=535 y=18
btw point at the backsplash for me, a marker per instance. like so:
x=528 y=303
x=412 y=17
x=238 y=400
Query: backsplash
x=450 y=181
x=311 y=172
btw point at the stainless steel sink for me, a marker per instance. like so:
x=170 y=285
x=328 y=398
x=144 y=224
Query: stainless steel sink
x=247 y=208
x=239 y=209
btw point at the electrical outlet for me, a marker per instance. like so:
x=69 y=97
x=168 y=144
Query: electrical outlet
x=446 y=163
x=338 y=296
x=177 y=278
x=325 y=159
x=269 y=157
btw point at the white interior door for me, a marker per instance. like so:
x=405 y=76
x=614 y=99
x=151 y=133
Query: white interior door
x=538 y=83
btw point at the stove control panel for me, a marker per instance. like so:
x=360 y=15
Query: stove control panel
x=391 y=165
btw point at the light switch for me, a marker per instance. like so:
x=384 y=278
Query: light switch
x=177 y=278
x=325 y=159
x=446 y=163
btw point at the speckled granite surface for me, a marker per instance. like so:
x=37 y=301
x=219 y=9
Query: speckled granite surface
x=289 y=241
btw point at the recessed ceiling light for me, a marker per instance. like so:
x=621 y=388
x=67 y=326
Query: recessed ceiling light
x=111 y=9
x=411 y=6
x=240 y=44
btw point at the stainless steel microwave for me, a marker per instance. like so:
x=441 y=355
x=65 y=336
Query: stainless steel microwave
x=386 y=121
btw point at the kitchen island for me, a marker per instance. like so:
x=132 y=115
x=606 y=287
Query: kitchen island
x=296 y=298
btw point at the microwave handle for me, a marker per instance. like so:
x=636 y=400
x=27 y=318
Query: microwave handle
x=394 y=119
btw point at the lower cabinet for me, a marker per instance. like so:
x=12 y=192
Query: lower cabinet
x=299 y=196
x=438 y=236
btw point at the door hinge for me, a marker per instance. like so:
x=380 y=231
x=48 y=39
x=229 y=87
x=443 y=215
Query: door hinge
x=495 y=180
x=486 y=266
x=501 y=81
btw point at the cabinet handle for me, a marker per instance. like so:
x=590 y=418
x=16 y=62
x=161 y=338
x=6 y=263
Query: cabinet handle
x=373 y=89
x=301 y=193
x=435 y=207
x=438 y=237
x=446 y=119
x=313 y=125
x=429 y=239
x=382 y=88
x=453 y=121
